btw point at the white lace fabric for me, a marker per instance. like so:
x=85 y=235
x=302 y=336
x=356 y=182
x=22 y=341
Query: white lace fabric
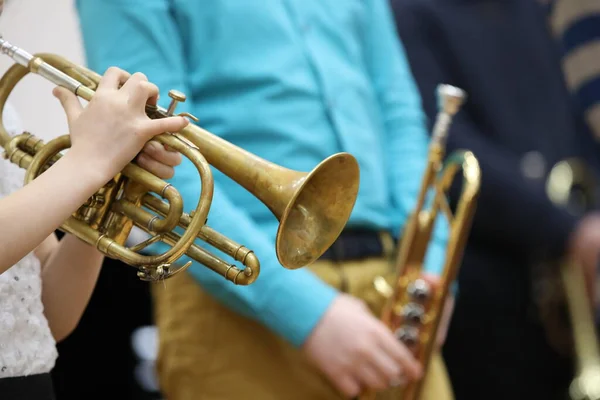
x=27 y=346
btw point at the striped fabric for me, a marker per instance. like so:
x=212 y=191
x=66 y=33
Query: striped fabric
x=576 y=23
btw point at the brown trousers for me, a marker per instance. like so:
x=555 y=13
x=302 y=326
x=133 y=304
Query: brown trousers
x=207 y=352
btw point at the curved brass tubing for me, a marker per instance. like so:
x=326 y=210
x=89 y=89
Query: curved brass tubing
x=564 y=177
x=312 y=207
x=413 y=309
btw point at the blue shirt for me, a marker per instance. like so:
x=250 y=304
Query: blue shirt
x=292 y=81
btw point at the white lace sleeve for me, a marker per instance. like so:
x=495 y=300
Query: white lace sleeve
x=11 y=176
x=26 y=342
x=11 y=120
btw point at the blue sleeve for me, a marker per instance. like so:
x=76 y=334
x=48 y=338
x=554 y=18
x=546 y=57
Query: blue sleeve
x=405 y=124
x=141 y=35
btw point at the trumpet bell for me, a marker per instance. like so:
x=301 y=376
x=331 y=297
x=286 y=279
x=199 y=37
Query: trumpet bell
x=312 y=208
x=320 y=204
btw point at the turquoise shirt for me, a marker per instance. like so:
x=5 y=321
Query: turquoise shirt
x=292 y=81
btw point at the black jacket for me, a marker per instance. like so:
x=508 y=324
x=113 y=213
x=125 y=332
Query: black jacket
x=518 y=112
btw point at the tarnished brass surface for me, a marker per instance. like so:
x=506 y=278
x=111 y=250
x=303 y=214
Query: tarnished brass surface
x=566 y=179
x=312 y=207
x=414 y=308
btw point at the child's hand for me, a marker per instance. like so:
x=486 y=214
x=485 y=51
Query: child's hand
x=113 y=128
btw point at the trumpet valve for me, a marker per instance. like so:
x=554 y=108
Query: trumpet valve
x=413 y=313
x=176 y=98
x=419 y=290
x=409 y=335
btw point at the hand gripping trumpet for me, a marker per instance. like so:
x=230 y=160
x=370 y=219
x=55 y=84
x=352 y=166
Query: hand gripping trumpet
x=413 y=310
x=568 y=178
x=312 y=208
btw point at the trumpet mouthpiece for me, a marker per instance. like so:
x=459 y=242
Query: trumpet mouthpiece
x=450 y=98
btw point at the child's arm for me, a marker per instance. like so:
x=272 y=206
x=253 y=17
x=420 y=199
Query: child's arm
x=105 y=136
x=70 y=267
x=70 y=270
x=31 y=214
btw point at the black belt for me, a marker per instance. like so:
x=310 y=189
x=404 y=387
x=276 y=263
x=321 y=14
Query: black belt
x=32 y=387
x=356 y=244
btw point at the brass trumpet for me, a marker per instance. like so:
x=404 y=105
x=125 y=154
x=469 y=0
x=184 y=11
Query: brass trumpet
x=413 y=310
x=312 y=208
x=564 y=178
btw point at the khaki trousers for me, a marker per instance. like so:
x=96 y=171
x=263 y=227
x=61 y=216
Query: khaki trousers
x=207 y=352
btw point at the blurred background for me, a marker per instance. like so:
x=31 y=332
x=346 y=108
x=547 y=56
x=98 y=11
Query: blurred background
x=41 y=26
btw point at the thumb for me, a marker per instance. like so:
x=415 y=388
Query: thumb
x=69 y=102
x=155 y=127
